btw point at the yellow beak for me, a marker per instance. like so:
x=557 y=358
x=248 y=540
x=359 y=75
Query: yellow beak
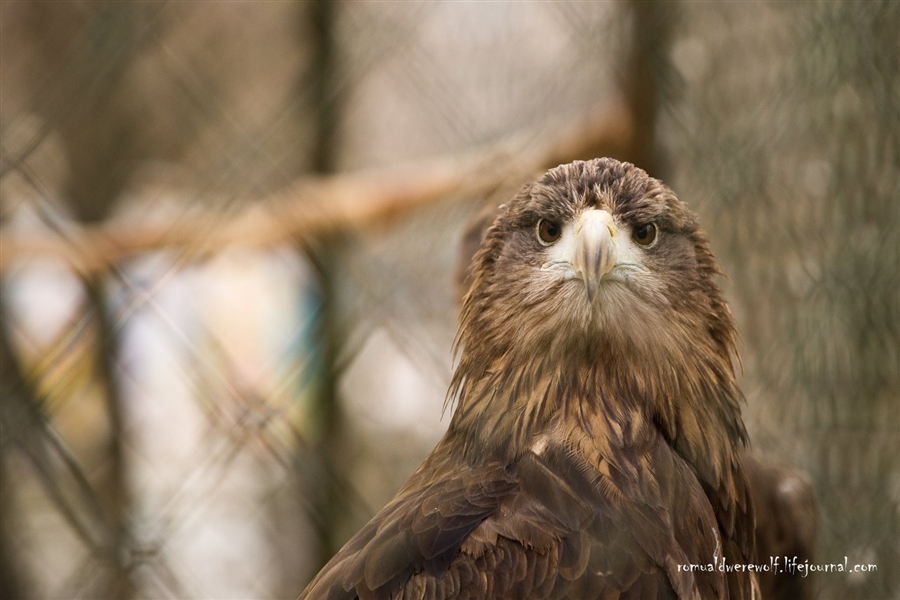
x=595 y=248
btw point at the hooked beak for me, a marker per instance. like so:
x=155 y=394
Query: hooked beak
x=595 y=248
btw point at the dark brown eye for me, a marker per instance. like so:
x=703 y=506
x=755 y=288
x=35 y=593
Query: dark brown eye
x=644 y=235
x=548 y=232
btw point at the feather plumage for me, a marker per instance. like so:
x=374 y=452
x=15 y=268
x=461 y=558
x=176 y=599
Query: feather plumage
x=593 y=449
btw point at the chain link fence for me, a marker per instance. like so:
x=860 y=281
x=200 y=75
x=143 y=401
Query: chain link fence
x=230 y=238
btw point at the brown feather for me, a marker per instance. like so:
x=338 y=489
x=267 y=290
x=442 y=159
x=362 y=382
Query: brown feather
x=594 y=447
x=787 y=519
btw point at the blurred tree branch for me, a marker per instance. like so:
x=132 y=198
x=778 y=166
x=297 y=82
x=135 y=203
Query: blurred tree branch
x=315 y=205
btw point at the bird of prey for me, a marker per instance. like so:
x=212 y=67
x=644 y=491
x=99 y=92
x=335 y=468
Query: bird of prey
x=594 y=447
x=784 y=498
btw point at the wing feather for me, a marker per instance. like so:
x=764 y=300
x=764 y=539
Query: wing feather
x=545 y=526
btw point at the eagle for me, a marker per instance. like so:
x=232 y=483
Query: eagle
x=594 y=449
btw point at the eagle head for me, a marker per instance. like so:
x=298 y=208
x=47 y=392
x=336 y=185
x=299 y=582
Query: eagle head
x=596 y=253
x=596 y=277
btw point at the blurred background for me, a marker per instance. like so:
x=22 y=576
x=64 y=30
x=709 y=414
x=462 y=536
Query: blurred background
x=231 y=234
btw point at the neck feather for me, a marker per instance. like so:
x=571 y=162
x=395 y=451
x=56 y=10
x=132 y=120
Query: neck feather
x=506 y=403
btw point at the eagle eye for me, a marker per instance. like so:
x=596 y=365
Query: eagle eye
x=548 y=232
x=645 y=235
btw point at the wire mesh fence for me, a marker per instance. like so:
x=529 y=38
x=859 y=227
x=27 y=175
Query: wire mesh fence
x=230 y=247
